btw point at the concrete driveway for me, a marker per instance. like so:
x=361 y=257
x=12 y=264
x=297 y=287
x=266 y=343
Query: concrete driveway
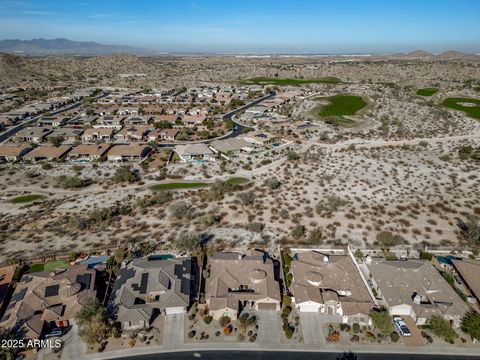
x=269 y=327
x=174 y=331
x=312 y=324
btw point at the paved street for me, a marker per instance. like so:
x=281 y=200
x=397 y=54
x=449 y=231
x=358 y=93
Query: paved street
x=174 y=330
x=287 y=355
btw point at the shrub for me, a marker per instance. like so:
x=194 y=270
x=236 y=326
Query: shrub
x=125 y=174
x=382 y=321
x=387 y=239
x=315 y=237
x=191 y=334
x=208 y=319
x=72 y=182
x=246 y=198
x=442 y=328
x=227 y=330
x=345 y=327
x=188 y=241
x=256 y=226
x=426 y=256
x=287 y=300
x=356 y=328
x=288 y=329
x=273 y=183
x=394 y=336
x=292 y=155
x=298 y=231
x=224 y=321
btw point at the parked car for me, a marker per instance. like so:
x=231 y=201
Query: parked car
x=54 y=333
x=401 y=326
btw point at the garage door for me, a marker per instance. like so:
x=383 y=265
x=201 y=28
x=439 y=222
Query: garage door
x=267 y=306
x=308 y=307
x=174 y=310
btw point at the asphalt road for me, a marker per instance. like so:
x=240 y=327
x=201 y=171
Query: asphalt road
x=238 y=130
x=291 y=355
x=238 y=127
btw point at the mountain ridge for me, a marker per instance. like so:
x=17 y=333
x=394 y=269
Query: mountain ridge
x=63 y=46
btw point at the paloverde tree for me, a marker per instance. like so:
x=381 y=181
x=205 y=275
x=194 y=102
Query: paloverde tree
x=471 y=324
x=93 y=322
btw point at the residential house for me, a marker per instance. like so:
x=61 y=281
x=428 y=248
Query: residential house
x=128 y=152
x=415 y=288
x=13 y=152
x=53 y=121
x=65 y=134
x=88 y=152
x=127 y=111
x=167 y=118
x=97 y=134
x=469 y=272
x=147 y=287
x=49 y=299
x=133 y=132
x=192 y=120
x=32 y=134
x=111 y=121
x=48 y=152
x=331 y=285
x=259 y=138
x=6 y=278
x=163 y=135
x=231 y=147
x=235 y=282
x=138 y=120
x=81 y=121
x=194 y=152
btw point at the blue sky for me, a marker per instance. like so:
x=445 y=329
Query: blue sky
x=285 y=26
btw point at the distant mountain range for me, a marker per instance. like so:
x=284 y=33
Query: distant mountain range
x=66 y=47
x=62 y=46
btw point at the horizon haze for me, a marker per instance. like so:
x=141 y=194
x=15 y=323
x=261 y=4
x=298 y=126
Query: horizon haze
x=306 y=27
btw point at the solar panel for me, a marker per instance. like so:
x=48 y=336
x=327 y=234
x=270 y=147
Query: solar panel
x=84 y=279
x=51 y=290
x=18 y=296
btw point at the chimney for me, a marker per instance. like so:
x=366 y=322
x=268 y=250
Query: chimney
x=325 y=258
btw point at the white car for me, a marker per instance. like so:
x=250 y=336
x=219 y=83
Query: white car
x=401 y=326
x=55 y=333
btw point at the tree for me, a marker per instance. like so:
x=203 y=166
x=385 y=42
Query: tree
x=442 y=328
x=382 y=321
x=315 y=236
x=471 y=324
x=93 y=322
x=188 y=241
x=6 y=352
x=56 y=140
